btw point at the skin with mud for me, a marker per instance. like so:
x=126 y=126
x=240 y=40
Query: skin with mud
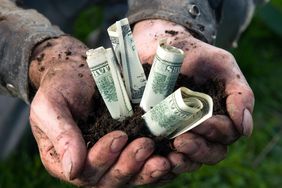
x=67 y=114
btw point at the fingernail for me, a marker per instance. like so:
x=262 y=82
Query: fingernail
x=118 y=143
x=247 y=123
x=143 y=153
x=188 y=147
x=67 y=165
x=157 y=174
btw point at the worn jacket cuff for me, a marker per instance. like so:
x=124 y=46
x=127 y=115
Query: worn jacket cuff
x=196 y=16
x=20 y=31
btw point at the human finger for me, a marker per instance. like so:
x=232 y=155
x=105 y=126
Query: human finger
x=52 y=116
x=49 y=157
x=218 y=128
x=129 y=163
x=153 y=170
x=199 y=149
x=181 y=163
x=102 y=155
x=239 y=104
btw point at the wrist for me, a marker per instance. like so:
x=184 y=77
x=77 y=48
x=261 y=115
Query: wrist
x=51 y=52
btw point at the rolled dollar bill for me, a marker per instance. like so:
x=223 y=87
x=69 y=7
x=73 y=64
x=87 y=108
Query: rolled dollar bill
x=114 y=37
x=109 y=86
x=163 y=75
x=125 y=50
x=178 y=113
x=123 y=99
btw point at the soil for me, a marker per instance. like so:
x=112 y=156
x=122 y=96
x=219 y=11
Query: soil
x=100 y=122
x=171 y=32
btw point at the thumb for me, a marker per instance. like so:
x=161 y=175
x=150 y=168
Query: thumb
x=240 y=104
x=51 y=115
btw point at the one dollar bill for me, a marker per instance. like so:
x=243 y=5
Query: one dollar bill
x=163 y=75
x=109 y=83
x=178 y=113
x=125 y=50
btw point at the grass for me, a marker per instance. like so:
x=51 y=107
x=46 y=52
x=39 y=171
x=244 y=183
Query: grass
x=260 y=58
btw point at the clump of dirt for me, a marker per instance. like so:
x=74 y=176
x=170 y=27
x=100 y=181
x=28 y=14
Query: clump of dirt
x=100 y=122
x=40 y=57
x=171 y=32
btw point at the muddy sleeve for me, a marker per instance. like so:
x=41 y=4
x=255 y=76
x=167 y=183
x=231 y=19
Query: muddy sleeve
x=200 y=17
x=20 y=31
x=197 y=16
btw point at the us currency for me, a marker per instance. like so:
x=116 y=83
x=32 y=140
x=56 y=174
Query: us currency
x=102 y=68
x=114 y=37
x=133 y=73
x=163 y=75
x=178 y=113
x=125 y=105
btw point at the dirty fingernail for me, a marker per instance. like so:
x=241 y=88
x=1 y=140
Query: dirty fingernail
x=118 y=143
x=67 y=165
x=157 y=174
x=247 y=123
x=144 y=152
x=188 y=147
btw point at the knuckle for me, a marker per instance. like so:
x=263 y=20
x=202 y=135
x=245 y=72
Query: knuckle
x=224 y=57
x=227 y=56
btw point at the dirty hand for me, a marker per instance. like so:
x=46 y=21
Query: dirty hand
x=207 y=143
x=64 y=91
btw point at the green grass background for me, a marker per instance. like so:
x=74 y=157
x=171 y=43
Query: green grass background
x=251 y=162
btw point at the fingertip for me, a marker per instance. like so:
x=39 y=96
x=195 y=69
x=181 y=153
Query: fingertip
x=154 y=169
x=73 y=150
x=240 y=97
x=112 y=142
x=144 y=148
x=160 y=163
x=73 y=162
